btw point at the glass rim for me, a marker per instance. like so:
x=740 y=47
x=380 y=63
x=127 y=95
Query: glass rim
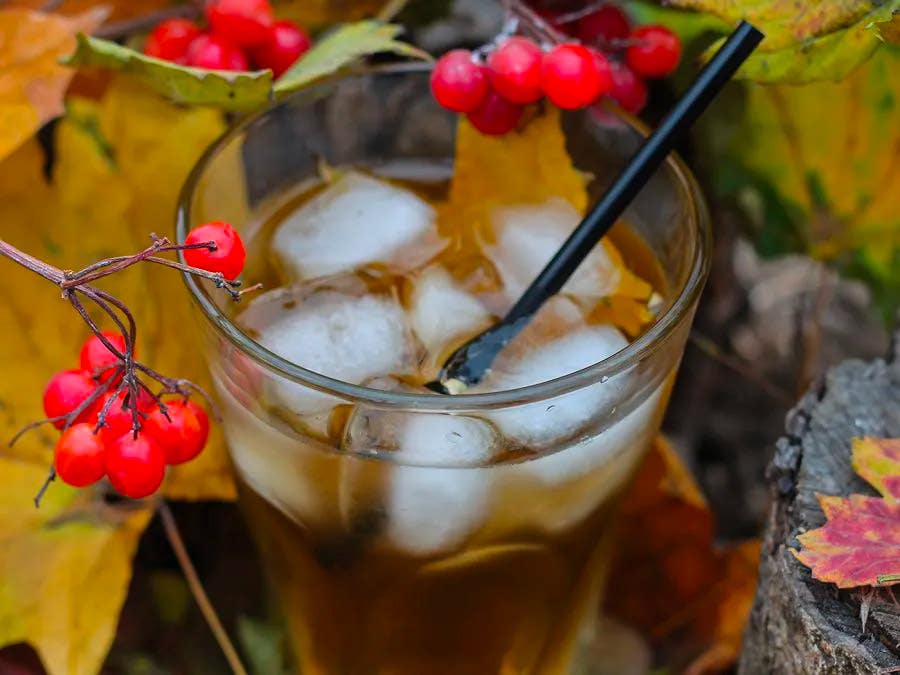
x=644 y=346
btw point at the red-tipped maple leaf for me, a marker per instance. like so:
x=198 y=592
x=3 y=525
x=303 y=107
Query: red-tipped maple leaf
x=859 y=545
x=878 y=461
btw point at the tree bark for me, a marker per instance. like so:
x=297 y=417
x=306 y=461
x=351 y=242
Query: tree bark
x=800 y=626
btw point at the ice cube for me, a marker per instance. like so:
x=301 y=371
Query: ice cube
x=529 y=235
x=542 y=423
x=442 y=312
x=431 y=492
x=355 y=221
x=339 y=335
x=556 y=491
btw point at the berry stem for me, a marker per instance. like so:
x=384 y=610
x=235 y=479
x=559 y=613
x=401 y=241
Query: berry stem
x=193 y=582
x=51 y=476
x=577 y=14
x=534 y=22
x=75 y=287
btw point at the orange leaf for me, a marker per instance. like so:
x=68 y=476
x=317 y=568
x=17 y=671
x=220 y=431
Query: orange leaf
x=738 y=590
x=688 y=597
x=878 y=461
x=858 y=546
x=32 y=82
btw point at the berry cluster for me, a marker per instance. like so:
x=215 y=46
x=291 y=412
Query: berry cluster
x=605 y=57
x=126 y=433
x=241 y=33
x=130 y=442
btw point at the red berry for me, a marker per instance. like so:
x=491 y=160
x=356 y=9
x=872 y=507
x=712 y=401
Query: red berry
x=515 y=70
x=214 y=53
x=229 y=256
x=496 y=115
x=245 y=23
x=66 y=391
x=458 y=83
x=96 y=359
x=170 y=39
x=80 y=456
x=118 y=419
x=628 y=90
x=655 y=51
x=285 y=43
x=135 y=466
x=607 y=24
x=574 y=76
x=183 y=435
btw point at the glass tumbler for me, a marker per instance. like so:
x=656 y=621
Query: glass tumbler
x=384 y=564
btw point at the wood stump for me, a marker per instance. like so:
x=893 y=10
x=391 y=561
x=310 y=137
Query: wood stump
x=798 y=625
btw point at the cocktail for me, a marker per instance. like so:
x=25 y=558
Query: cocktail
x=405 y=531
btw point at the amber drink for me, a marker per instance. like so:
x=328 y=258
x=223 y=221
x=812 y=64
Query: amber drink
x=406 y=532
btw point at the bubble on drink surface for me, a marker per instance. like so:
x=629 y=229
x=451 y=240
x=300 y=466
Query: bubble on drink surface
x=430 y=489
x=355 y=221
x=341 y=335
x=442 y=313
x=545 y=422
x=528 y=235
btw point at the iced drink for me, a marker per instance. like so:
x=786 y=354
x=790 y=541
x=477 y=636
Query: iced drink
x=407 y=532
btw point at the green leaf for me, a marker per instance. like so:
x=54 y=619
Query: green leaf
x=804 y=42
x=688 y=25
x=223 y=89
x=815 y=168
x=341 y=48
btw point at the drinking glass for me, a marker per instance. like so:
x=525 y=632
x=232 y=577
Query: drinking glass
x=384 y=565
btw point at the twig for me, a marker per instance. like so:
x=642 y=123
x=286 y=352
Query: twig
x=587 y=10
x=139 y=24
x=534 y=21
x=711 y=349
x=51 y=476
x=193 y=581
x=391 y=9
x=812 y=331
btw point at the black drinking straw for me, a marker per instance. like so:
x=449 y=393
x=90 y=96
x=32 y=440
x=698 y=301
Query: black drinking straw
x=468 y=364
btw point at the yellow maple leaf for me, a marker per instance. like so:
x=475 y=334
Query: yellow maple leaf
x=118 y=169
x=64 y=569
x=530 y=166
x=32 y=81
